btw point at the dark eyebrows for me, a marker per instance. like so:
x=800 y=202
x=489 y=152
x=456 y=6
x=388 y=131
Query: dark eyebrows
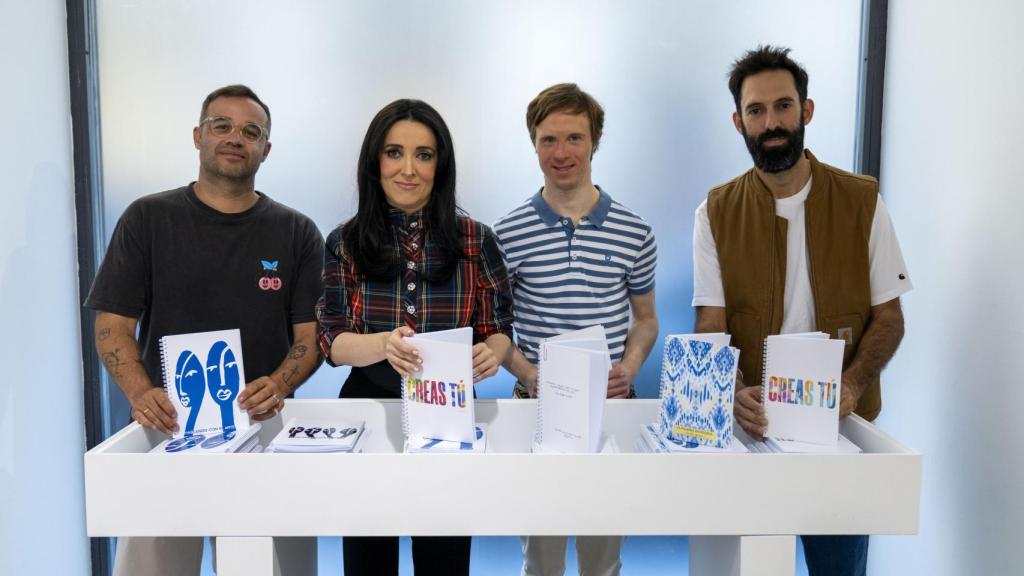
x=783 y=100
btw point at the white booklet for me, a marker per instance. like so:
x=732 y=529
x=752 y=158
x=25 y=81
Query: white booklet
x=414 y=445
x=801 y=388
x=318 y=435
x=572 y=386
x=843 y=446
x=212 y=444
x=203 y=375
x=437 y=402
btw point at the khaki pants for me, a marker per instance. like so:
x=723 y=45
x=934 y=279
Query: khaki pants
x=595 y=555
x=146 y=556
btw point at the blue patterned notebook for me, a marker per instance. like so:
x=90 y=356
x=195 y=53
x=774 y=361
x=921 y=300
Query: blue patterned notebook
x=698 y=380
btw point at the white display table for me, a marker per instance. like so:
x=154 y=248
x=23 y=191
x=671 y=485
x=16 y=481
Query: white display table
x=742 y=510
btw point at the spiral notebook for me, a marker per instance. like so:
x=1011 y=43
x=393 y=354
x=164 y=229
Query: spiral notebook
x=801 y=387
x=203 y=375
x=414 y=445
x=572 y=385
x=318 y=435
x=437 y=402
x=698 y=384
x=241 y=442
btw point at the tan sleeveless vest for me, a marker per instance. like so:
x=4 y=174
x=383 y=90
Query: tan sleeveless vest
x=751 y=244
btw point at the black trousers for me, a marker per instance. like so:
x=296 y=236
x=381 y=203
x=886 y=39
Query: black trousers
x=431 y=555
x=378 y=555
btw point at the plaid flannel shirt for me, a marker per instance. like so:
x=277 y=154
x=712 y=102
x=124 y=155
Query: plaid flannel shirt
x=477 y=294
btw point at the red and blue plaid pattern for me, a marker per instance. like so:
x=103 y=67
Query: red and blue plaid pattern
x=477 y=294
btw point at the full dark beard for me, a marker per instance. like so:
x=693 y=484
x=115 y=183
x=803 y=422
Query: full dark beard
x=780 y=158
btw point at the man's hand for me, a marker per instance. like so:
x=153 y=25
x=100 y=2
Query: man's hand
x=485 y=363
x=619 y=379
x=400 y=354
x=263 y=398
x=849 y=395
x=529 y=377
x=153 y=409
x=749 y=412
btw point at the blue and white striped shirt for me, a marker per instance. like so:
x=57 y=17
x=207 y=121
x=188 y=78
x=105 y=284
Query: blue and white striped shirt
x=567 y=277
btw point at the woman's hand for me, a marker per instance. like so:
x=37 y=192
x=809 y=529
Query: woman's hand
x=400 y=354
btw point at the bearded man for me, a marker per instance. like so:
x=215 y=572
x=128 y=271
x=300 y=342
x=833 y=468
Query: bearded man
x=795 y=245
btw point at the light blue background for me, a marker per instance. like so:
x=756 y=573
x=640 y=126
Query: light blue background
x=951 y=147
x=325 y=68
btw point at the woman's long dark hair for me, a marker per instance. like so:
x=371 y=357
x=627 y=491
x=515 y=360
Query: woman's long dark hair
x=368 y=235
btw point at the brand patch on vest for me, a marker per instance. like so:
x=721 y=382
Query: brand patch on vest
x=846 y=334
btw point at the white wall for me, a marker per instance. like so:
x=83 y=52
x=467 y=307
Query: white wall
x=952 y=148
x=658 y=67
x=42 y=435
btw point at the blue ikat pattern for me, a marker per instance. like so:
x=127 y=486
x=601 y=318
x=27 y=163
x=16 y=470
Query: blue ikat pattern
x=697 y=391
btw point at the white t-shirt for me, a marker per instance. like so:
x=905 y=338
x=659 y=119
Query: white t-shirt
x=888 y=275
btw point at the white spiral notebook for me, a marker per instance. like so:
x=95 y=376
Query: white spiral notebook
x=572 y=385
x=318 y=435
x=437 y=402
x=203 y=375
x=801 y=387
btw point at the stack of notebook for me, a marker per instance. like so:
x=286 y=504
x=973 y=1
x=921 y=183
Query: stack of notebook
x=219 y=443
x=801 y=393
x=650 y=441
x=319 y=435
x=698 y=379
x=438 y=414
x=419 y=444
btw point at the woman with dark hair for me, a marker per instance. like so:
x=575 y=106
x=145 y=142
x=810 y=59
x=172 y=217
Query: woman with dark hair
x=410 y=260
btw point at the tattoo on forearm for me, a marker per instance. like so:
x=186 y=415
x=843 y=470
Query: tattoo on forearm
x=297 y=351
x=113 y=362
x=291 y=374
x=103 y=334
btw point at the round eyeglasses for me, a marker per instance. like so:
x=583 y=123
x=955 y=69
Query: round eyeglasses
x=222 y=126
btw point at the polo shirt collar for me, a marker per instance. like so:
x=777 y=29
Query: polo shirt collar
x=596 y=216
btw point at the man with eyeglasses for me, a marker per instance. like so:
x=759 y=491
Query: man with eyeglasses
x=213 y=255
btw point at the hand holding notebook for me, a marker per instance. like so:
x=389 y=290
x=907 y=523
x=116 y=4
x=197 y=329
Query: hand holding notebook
x=203 y=374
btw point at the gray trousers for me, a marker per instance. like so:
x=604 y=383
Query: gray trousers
x=595 y=555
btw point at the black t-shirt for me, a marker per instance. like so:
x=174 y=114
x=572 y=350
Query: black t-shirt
x=180 y=266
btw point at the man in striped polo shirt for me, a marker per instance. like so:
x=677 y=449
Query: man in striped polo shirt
x=576 y=258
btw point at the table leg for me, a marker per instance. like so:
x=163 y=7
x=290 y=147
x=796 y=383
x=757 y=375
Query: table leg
x=742 y=555
x=265 y=556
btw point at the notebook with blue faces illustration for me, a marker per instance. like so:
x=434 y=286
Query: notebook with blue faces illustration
x=203 y=375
